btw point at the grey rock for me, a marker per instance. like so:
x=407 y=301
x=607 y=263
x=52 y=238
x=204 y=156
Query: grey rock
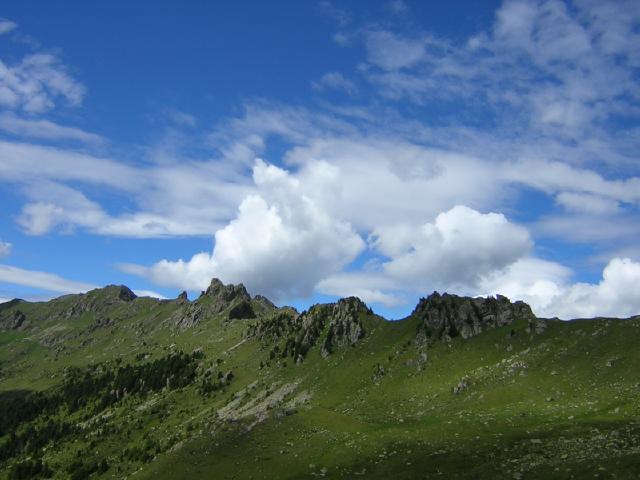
x=13 y=320
x=449 y=316
x=263 y=302
x=223 y=295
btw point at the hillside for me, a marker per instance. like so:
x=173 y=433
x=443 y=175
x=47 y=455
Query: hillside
x=108 y=385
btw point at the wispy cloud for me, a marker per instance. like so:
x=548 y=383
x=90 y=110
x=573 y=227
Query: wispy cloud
x=42 y=280
x=5 y=249
x=45 y=129
x=7 y=26
x=335 y=81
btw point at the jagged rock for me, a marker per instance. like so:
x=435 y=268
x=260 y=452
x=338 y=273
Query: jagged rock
x=345 y=327
x=264 y=302
x=223 y=295
x=241 y=310
x=183 y=297
x=15 y=320
x=333 y=324
x=216 y=299
x=450 y=316
x=189 y=317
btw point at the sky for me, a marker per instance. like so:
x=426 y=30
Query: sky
x=313 y=150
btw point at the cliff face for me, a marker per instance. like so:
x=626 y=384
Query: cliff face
x=447 y=316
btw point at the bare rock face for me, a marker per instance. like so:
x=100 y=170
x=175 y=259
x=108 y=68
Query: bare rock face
x=345 y=326
x=222 y=296
x=13 y=320
x=449 y=316
x=331 y=325
x=216 y=299
x=183 y=297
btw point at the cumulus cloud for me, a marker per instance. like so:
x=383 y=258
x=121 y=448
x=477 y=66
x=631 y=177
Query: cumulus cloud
x=545 y=286
x=458 y=251
x=458 y=248
x=280 y=243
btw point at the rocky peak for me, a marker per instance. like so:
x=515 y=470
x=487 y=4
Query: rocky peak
x=329 y=325
x=224 y=295
x=183 y=297
x=264 y=302
x=115 y=292
x=217 y=298
x=449 y=315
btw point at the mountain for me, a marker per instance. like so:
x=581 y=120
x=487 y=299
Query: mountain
x=107 y=385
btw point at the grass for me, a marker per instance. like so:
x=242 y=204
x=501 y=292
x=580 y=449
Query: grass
x=561 y=404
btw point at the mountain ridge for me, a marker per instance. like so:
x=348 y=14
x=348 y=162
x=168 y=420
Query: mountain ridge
x=228 y=385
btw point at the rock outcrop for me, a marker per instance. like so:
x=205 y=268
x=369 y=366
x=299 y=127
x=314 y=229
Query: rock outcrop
x=331 y=325
x=221 y=296
x=345 y=325
x=216 y=299
x=447 y=316
x=13 y=320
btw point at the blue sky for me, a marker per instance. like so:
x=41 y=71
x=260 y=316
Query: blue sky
x=320 y=149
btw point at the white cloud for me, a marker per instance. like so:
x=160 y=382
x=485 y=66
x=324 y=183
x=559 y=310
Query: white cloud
x=42 y=280
x=538 y=282
x=392 y=52
x=588 y=203
x=5 y=249
x=558 y=69
x=148 y=293
x=458 y=248
x=403 y=180
x=177 y=198
x=336 y=81
x=617 y=294
x=280 y=244
x=553 y=177
x=36 y=82
x=45 y=129
x=544 y=286
x=369 y=286
x=7 y=26
x=457 y=252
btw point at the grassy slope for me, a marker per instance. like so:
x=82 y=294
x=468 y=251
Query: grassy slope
x=541 y=406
